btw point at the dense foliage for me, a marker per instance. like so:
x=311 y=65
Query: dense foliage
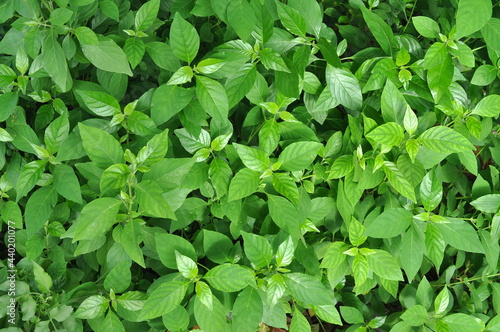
x=237 y=165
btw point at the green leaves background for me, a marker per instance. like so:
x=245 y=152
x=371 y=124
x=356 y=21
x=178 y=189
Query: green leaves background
x=229 y=163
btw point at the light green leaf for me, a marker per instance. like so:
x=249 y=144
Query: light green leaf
x=291 y=19
x=389 y=133
x=412 y=251
x=487 y=203
x=146 y=15
x=96 y=218
x=186 y=266
x=431 y=191
x=229 y=277
x=334 y=255
x=356 y=231
x=243 y=184
x=155 y=149
x=240 y=83
x=204 y=294
x=220 y=174
x=284 y=215
x=7 y=75
x=426 y=26
x=384 y=265
x=415 y=315
x=284 y=254
x=132 y=232
x=106 y=55
x=460 y=322
x=168 y=100
x=472 y=15
x=42 y=278
x=184 y=39
x=210 y=320
x=299 y=155
x=269 y=136
x=102 y=148
x=110 y=9
x=344 y=87
x=257 y=249
x=112 y=323
x=444 y=140
x=312 y=14
x=119 y=278
x=484 y=75
x=162 y=55
x=164 y=299
x=28 y=177
x=212 y=97
x=393 y=104
x=100 y=103
x=39 y=208
x=92 y=307
x=398 y=180
x=299 y=322
x=434 y=244
x=181 y=76
x=491 y=34
x=56 y=133
x=488 y=106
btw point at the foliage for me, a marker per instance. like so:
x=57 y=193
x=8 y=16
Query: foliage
x=228 y=163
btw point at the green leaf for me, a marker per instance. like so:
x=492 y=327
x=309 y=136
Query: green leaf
x=212 y=97
x=299 y=155
x=257 y=249
x=102 y=148
x=412 y=251
x=106 y=55
x=99 y=103
x=284 y=254
x=426 y=26
x=328 y=313
x=491 y=34
x=134 y=49
x=384 y=265
x=39 y=208
x=186 y=266
x=114 y=177
x=229 y=277
x=168 y=100
x=247 y=310
x=56 y=133
x=460 y=234
x=243 y=184
x=488 y=106
x=269 y=136
x=146 y=15
x=307 y=289
x=210 y=320
x=444 y=140
x=67 y=184
x=241 y=18
x=272 y=60
x=390 y=134
x=184 y=39
x=129 y=239
x=167 y=244
x=151 y=200
x=164 y=299
x=162 y=55
x=7 y=75
x=334 y=255
x=28 y=177
x=291 y=19
x=181 y=76
x=286 y=186
x=112 y=323
x=484 y=75
x=217 y=246
x=487 y=203
x=398 y=180
x=96 y=218
x=60 y=16
x=155 y=149
x=415 y=315
x=393 y=104
x=119 y=278
x=299 y=322
x=54 y=62
x=434 y=245
x=431 y=191
x=42 y=278
x=220 y=174
x=312 y=14
x=92 y=307
x=344 y=87
x=461 y=322
x=240 y=83
x=284 y=215
x=356 y=231
x=341 y=167
x=254 y=159
x=110 y=9
x=472 y=15
x=351 y=315
x=380 y=30
x=204 y=294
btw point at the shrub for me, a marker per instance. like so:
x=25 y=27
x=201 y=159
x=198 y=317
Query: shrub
x=236 y=165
